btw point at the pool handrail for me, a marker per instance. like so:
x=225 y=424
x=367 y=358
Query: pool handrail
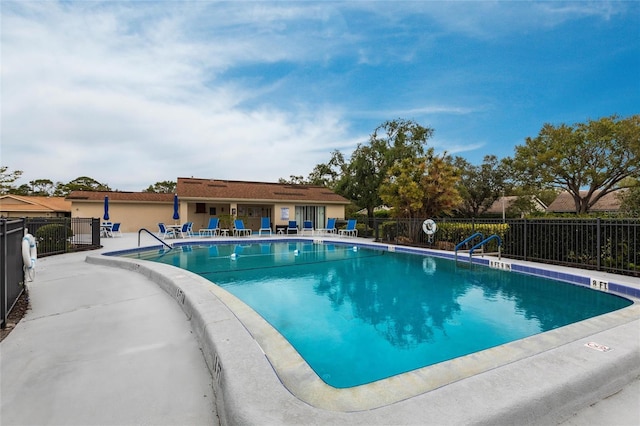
x=466 y=240
x=153 y=235
x=485 y=241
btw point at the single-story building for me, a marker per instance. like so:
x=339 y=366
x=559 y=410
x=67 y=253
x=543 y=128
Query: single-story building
x=31 y=206
x=201 y=199
x=505 y=205
x=564 y=203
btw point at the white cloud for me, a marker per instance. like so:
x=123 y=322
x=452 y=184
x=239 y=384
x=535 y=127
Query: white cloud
x=131 y=93
x=96 y=91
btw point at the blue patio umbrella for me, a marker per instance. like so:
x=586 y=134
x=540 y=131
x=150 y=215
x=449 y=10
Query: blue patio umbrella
x=106 y=208
x=176 y=214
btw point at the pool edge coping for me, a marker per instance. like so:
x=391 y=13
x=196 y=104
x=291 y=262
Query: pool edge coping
x=212 y=321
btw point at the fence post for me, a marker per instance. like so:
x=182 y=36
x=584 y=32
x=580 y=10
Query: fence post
x=524 y=238
x=95 y=232
x=4 y=278
x=376 y=226
x=598 y=244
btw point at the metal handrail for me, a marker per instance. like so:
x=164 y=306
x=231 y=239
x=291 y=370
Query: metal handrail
x=485 y=241
x=466 y=240
x=153 y=235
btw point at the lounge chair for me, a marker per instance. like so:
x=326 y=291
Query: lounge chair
x=115 y=230
x=293 y=227
x=331 y=227
x=105 y=229
x=265 y=225
x=350 y=230
x=307 y=226
x=164 y=232
x=186 y=230
x=212 y=229
x=239 y=229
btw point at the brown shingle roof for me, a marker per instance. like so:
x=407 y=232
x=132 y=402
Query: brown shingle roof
x=120 y=196
x=564 y=203
x=255 y=191
x=496 y=207
x=34 y=203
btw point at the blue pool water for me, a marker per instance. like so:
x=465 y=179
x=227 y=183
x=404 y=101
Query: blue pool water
x=358 y=315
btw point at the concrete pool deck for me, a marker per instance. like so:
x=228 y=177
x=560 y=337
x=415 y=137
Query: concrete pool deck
x=60 y=364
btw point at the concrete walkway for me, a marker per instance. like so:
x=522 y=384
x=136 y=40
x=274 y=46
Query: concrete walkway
x=107 y=346
x=102 y=346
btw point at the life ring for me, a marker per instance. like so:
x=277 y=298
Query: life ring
x=29 y=251
x=429 y=227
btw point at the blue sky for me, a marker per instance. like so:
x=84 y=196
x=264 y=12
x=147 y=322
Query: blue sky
x=132 y=93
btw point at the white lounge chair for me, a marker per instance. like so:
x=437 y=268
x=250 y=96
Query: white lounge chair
x=265 y=225
x=212 y=229
x=350 y=230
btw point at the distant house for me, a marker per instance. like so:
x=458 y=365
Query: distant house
x=28 y=206
x=201 y=199
x=506 y=205
x=564 y=203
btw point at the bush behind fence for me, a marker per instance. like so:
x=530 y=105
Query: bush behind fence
x=610 y=245
x=64 y=234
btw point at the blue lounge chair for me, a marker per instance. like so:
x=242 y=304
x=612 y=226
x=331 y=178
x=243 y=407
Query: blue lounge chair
x=331 y=227
x=164 y=232
x=115 y=230
x=350 y=230
x=293 y=227
x=265 y=225
x=239 y=229
x=212 y=229
x=307 y=226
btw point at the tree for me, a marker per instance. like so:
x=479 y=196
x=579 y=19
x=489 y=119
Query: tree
x=322 y=174
x=630 y=198
x=164 y=187
x=328 y=174
x=595 y=156
x=421 y=186
x=391 y=142
x=23 y=189
x=42 y=187
x=7 y=179
x=294 y=180
x=82 y=183
x=479 y=186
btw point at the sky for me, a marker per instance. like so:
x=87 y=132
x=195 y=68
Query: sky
x=134 y=93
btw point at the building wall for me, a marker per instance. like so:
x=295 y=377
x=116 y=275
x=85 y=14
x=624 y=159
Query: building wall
x=136 y=215
x=132 y=216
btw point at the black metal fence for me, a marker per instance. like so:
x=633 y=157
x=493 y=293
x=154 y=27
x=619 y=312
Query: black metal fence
x=610 y=245
x=12 y=277
x=64 y=234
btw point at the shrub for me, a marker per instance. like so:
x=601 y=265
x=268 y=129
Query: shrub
x=53 y=238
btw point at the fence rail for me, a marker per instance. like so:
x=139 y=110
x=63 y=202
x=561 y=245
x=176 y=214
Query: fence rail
x=609 y=245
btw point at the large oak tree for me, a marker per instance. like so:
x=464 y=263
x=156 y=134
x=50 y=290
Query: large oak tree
x=589 y=160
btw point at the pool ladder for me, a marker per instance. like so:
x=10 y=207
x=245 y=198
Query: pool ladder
x=480 y=245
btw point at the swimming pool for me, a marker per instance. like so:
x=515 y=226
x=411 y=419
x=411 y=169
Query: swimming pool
x=358 y=315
